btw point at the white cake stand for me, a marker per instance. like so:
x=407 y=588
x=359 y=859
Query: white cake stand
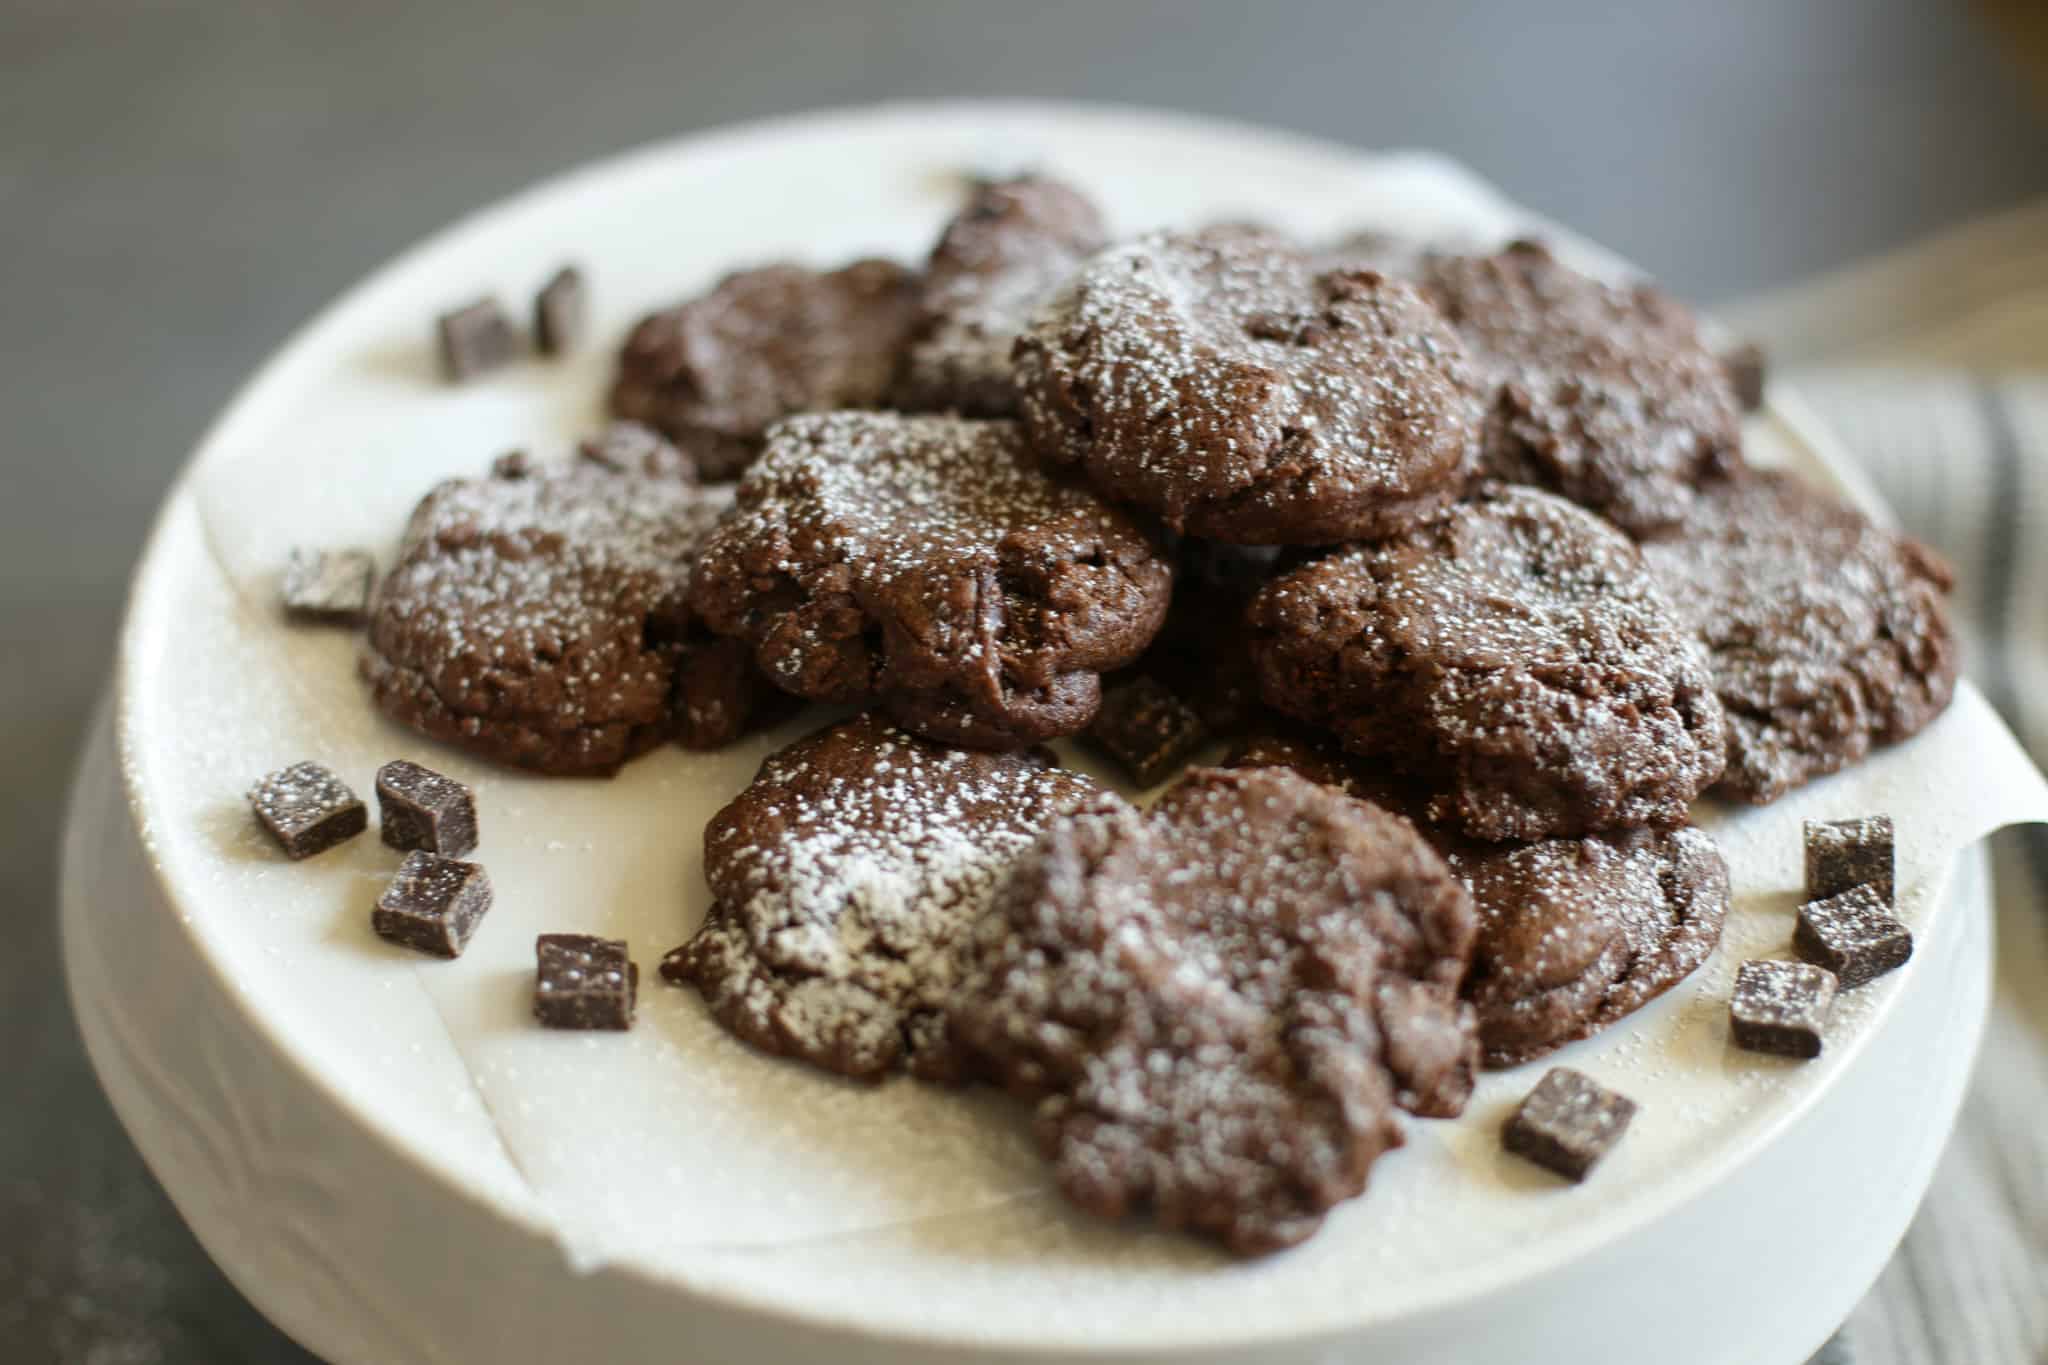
x=396 y=1168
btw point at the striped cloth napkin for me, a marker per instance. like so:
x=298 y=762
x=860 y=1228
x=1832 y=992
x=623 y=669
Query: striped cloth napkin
x=1932 y=366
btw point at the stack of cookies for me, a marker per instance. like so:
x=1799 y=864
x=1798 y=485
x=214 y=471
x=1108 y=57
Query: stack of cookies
x=1455 y=556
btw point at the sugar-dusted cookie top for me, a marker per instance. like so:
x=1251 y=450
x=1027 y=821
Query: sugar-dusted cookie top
x=845 y=879
x=930 y=564
x=1218 y=1004
x=539 y=617
x=1516 y=653
x=1229 y=383
x=1827 y=634
x=1603 y=393
x=1574 y=933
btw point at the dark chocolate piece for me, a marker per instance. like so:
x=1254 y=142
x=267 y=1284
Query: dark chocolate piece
x=1746 y=370
x=560 y=312
x=1841 y=854
x=1567 y=1123
x=328 y=585
x=513 y=464
x=1781 y=1007
x=584 y=982
x=433 y=905
x=1854 y=935
x=419 y=808
x=1148 y=730
x=307 y=809
x=475 y=339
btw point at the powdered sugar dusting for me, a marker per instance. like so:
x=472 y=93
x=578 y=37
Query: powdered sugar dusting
x=845 y=877
x=1515 y=651
x=1222 y=1001
x=1220 y=380
x=534 y=615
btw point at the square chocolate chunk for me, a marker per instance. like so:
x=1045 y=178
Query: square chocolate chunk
x=1845 y=853
x=1568 y=1122
x=584 y=982
x=419 y=808
x=1781 y=1007
x=1147 y=729
x=307 y=809
x=328 y=585
x=1854 y=935
x=433 y=905
x=560 y=311
x=475 y=339
x=1746 y=368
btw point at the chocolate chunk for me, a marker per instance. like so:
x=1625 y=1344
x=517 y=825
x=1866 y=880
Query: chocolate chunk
x=513 y=464
x=475 y=339
x=560 y=311
x=1781 y=1007
x=433 y=905
x=328 y=585
x=307 y=809
x=1147 y=729
x=584 y=982
x=1746 y=369
x=1567 y=1123
x=419 y=808
x=1841 y=854
x=1853 y=935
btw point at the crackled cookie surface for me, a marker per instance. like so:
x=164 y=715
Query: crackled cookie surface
x=1218 y=1004
x=1012 y=245
x=1225 y=381
x=1827 y=634
x=845 y=879
x=1574 y=933
x=539 y=617
x=1516 y=654
x=929 y=563
x=1601 y=393
x=714 y=372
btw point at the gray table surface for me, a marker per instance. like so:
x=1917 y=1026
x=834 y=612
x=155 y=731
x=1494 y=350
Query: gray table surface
x=181 y=184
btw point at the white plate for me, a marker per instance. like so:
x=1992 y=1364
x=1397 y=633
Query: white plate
x=397 y=1166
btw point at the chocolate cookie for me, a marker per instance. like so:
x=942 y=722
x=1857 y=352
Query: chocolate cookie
x=930 y=564
x=1827 y=634
x=845 y=878
x=714 y=372
x=1014 y=243
x=539 y=617
x=1200 y=654
x=1602 y=393
x=1223 y=381
x=1515 y=654
x=1218 y=1004
x=1574 y=934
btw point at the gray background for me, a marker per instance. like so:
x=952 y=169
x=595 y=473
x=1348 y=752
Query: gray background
x=180 y=185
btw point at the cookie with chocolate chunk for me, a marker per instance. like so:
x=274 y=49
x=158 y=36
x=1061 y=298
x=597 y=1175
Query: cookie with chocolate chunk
x=930 y=564
x=1515 y=654
x=1228 y=383
x=1012 y=245
x=1603 y=393
x=714 y=372
x=1827 y=634
x=845 y=880
x=1574 y=933
x=539 y=617
x=1218 y=1004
